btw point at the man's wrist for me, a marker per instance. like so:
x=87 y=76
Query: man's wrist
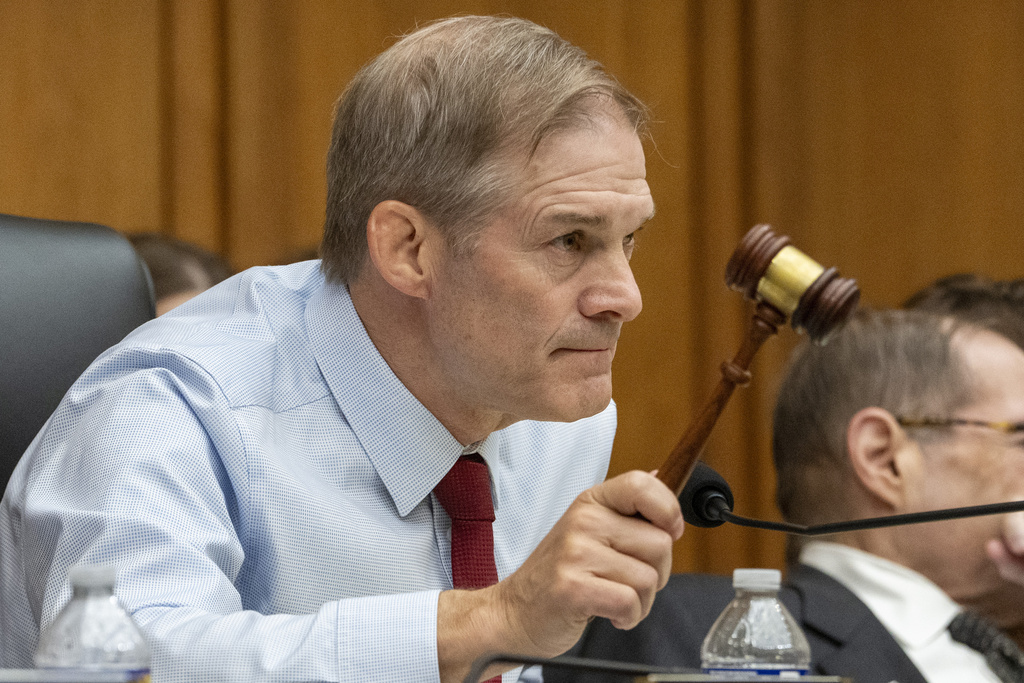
x=470 y=624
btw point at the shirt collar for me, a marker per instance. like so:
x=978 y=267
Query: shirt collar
x=408 y=447
x=909 y=605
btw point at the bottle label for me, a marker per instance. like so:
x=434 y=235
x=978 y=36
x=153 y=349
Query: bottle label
x=754 y=674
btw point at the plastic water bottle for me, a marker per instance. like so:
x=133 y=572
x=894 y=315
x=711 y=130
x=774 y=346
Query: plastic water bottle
x=93 y=632
x=756 y=635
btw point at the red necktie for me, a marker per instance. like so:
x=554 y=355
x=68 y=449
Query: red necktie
x=465 y=494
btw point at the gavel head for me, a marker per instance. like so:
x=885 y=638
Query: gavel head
x=767 y=269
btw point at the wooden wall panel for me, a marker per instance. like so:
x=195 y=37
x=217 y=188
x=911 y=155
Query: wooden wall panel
x=890 y=135
x=721 y=217
x=886 y=138
x=80 y=111
x=195 y=122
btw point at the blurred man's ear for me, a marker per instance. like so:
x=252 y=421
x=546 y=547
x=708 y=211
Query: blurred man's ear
x=400 y=240
x=882 y=456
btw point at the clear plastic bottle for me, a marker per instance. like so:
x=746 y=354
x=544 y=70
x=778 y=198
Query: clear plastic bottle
x=755 y=634
x=93 y=632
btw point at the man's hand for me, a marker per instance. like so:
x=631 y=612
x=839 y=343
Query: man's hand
x=600 y=559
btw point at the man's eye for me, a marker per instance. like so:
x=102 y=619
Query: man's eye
x=629 y=244
x=570 y=242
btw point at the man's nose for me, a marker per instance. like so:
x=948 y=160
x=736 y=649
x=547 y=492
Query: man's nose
x=613 y=293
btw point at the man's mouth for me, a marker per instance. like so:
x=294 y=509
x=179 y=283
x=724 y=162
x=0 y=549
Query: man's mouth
x=586 y=350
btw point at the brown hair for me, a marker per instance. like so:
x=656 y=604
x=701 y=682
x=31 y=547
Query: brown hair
x=433 y=120
x=176 y=266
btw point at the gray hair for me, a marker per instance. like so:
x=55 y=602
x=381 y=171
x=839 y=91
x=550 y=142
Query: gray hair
x=905 y=362
x=433 y=120
x=997 y=305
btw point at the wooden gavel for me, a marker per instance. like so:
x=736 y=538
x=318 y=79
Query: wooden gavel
x=785 y=283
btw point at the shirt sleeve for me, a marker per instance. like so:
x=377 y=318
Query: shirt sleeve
x=127 y=473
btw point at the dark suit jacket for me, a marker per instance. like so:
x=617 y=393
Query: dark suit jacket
x=845 y=637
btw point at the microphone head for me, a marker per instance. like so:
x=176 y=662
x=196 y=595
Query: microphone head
x=704 y=486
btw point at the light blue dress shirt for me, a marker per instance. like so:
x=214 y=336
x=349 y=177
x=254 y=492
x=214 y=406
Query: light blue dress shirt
x=262 y=481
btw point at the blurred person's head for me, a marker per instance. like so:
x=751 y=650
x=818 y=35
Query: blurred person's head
x=902 y=412
x=180 y=270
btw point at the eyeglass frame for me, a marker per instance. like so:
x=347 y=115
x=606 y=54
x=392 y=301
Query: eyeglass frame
x=1006 y=427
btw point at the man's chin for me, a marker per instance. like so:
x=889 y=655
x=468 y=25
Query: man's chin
x=569 y=405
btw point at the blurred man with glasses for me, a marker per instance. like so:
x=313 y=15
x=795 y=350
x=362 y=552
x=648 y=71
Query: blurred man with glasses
x=902 y=412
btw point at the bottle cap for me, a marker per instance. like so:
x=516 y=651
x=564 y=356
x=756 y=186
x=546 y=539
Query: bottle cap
x=757 y=579
x=92 y=575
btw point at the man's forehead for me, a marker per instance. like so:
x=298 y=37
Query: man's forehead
x=582 y=177
x=995 y=368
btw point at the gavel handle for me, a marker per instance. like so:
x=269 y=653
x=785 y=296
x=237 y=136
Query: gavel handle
x=680 y=463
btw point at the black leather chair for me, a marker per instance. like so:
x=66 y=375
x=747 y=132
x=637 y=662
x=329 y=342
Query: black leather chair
x=68 y=291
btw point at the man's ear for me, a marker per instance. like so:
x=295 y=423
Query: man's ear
x=399 y=238
x=882 y=455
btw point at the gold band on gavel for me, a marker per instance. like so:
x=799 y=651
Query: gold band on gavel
x=788 y=276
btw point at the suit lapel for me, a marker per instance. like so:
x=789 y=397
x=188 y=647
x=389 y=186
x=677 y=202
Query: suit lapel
x=846 y=637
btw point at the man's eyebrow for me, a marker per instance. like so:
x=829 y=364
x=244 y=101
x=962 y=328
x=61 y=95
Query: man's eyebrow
x=576 y=218
x=586 y=219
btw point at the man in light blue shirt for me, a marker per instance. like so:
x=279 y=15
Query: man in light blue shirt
x=259 y=463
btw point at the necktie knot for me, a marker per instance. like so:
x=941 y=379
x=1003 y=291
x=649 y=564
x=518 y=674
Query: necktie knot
x=1002 y=655
x=465 y=492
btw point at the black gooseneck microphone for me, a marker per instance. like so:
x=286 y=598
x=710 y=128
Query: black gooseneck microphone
x=707 y=501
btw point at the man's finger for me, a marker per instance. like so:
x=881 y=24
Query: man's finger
x=638 y=492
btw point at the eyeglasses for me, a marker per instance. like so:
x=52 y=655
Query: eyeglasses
x=1005 y=427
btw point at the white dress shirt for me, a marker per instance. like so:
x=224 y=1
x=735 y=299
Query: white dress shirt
x=262 y=481
x=913 y=609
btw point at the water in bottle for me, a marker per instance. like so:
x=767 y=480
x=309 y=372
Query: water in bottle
x=93 y=632
x=756 y=635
